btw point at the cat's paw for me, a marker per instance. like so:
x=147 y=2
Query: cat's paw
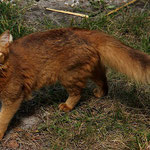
x=64 y=107
x=98 y=93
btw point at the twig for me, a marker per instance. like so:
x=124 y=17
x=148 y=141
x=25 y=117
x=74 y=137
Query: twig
x=113 y=11
x=68 y=12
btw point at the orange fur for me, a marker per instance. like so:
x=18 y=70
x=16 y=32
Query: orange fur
x=67 y=55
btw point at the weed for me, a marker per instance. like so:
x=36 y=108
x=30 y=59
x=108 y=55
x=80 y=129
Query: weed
x=11 y=18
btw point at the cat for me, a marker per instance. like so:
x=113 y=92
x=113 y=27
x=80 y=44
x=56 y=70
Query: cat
x=68 y=55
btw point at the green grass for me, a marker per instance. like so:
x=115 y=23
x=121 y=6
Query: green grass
x=120 y=121
x=11 y=19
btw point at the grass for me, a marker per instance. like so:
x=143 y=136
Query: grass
x=11 y=19
x=119 y=121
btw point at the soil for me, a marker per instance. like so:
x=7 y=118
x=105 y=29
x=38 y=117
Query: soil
x=37 y=12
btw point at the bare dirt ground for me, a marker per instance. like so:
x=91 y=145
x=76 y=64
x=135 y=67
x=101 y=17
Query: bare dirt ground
x=37 y=12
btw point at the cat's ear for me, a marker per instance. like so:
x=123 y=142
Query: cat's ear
x=5 y=39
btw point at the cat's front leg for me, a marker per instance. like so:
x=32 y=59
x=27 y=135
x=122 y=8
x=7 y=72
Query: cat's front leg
x=8 y=110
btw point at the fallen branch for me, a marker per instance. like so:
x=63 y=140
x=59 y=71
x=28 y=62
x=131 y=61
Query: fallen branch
x=68 y=12
x=113 y=11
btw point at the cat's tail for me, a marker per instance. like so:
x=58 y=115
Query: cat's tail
x=133 y=63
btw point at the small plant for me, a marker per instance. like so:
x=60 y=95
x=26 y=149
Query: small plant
x=11 y=18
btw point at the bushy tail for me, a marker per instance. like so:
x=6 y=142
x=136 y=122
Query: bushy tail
x=133 y=63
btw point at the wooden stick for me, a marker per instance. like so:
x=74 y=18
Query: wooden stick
x=68 y=12
x=113 y=11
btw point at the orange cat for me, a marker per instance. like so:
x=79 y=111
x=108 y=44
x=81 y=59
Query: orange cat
x=67 y=55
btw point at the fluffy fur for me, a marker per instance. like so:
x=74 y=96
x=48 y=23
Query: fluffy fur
x=67 y=55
